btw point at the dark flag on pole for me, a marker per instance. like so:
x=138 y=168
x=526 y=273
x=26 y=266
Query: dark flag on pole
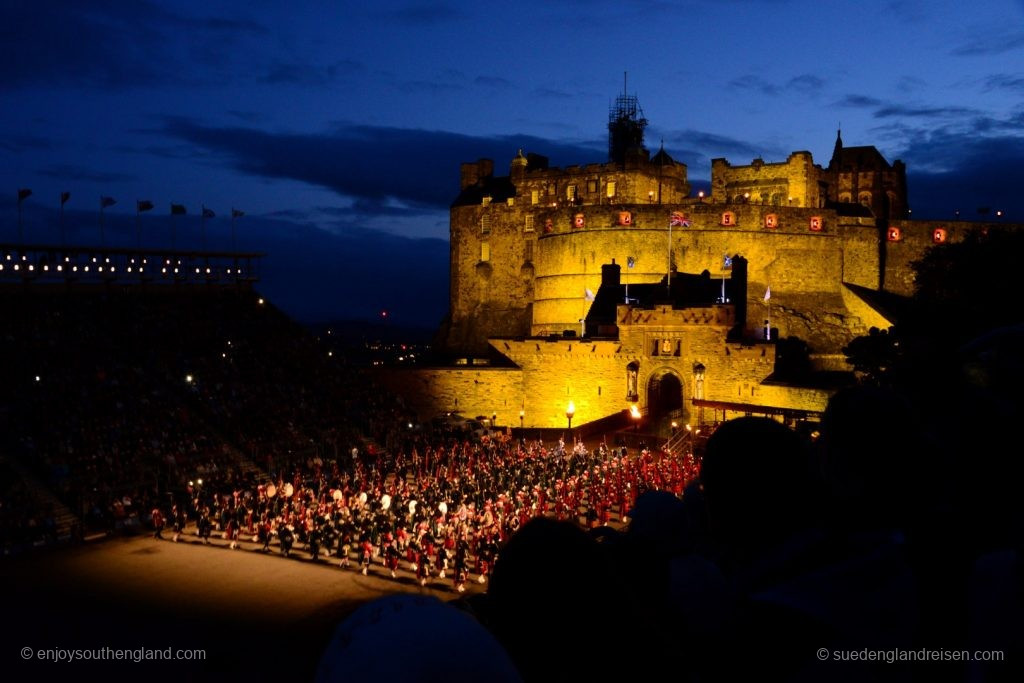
x=107 y=201
x=143 y=205
x=208 y=213
x=237 y=213
x=24 y=193
x=64 y=197
x=177 y=209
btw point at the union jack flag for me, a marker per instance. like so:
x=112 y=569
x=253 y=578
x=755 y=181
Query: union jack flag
x=678 y=218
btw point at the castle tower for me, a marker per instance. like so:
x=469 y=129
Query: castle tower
x=626 y=124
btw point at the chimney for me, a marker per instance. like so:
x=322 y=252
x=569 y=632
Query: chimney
x=611 y=273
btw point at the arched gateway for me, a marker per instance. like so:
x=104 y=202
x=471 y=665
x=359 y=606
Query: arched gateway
x=664 y=394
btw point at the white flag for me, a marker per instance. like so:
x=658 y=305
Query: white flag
x=767 y=294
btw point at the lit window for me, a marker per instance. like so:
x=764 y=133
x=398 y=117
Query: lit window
x=486 y=201
x=511 y=201
x=528 y=227
x=535 y=196
x=485 y=223
x=591 y=186
x=485 y=251
x=528 y=250
x=610 y=188
x=570 y=193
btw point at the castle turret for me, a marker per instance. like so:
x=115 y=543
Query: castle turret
x=517 y=169
x=626 y=124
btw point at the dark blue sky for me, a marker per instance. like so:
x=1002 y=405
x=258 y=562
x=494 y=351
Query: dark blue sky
x=339 y=127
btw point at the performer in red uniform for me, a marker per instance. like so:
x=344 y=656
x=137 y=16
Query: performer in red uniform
x=158 y=524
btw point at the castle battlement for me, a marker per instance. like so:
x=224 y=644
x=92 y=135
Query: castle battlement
x=548 y=264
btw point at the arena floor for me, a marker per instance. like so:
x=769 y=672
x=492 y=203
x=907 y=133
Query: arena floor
x=256 y=615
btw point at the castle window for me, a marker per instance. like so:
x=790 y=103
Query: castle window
x=528 y=250
x=679 y=348
x=591 y=186
x=728 y=218
x=551 y=190
x=864 y=198
x=485 y=251
x=485 y=223
x=655 y=347
x=528 y=226
x=844 y=198
x=511 y=201
x=610 y=188
x=535 y=196
x=570 y=193
x=486 y=201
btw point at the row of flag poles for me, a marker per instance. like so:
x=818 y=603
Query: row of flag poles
x=141 y=206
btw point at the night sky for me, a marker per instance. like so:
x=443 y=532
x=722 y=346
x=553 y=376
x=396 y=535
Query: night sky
x=338 y=127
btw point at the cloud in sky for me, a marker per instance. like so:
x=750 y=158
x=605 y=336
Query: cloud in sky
x=75 y=173
x=371 y=163
x=110 y=44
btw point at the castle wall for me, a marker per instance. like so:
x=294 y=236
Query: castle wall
x=469 y=391
x=630 y=186
x=794 y=182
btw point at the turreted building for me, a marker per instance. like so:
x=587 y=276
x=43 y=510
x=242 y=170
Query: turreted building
x=610 y=285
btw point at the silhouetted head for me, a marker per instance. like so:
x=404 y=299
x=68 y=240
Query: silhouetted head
x=757 y=485
x=872 y=456
x=550 y=589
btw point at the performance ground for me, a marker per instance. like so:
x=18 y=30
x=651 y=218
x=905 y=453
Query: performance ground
x=256 y=616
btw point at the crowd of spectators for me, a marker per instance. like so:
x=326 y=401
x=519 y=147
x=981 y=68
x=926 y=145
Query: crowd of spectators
x=116 y=398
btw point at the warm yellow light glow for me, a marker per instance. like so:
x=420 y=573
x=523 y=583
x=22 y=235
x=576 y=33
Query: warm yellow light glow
x=634 y=412
x=571 y=410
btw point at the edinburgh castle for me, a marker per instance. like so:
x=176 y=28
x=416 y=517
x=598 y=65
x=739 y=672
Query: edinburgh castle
x=612 y=286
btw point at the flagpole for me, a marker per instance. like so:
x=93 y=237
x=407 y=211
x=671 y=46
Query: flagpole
x=669 y=277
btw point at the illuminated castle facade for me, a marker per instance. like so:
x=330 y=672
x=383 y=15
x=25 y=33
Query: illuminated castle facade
x=611 y=285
